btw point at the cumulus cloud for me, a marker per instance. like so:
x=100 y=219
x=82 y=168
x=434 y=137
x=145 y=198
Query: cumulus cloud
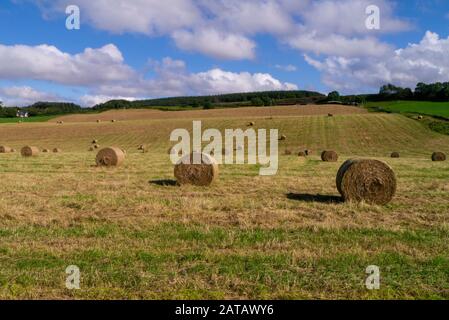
x=286 y=68
x=92 y=100
x=24 y=95
x=426 y=61
x=48 y=63
x=216 y=44
x=173 y=79
x=225 y=28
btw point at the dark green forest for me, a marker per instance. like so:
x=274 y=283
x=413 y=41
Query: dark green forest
x=423 y=92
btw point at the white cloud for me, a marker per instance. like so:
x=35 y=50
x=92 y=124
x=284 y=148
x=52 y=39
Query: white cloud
x=224 y=28
x=48 y=63
x=215 y=43
x=426 y=61
x=92 y=100
x=173 y=79
x=24 y=95
x=287 y=68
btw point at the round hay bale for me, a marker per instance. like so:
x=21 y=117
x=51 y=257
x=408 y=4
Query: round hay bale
x=29 y=151
x=94 y=141
x=330 y=115
x=372 y=181
x=302 y=154
x=5 y=149
x=438 y=156
x=113 y=121
x=287 y=152
x=110 y=157
x=283 y=138
x=251 y=124
x=98 y=121
x=308 y=152
x=395 y=155
x=96 y=146
x=329 y=156
x=420 y=117
x=45 y=151
x=57 y=150
x=203 y=174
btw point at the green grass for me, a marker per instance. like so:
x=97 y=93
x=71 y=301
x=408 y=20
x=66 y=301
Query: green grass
x=440 y=109
x=26 y=120
x=246 y=236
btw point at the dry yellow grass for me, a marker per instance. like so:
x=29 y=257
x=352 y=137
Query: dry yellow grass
x=135 y=234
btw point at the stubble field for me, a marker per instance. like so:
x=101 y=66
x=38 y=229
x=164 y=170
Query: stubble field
x=135 y=234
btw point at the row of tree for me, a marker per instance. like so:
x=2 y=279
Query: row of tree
x=236 y=99
x=41 y=109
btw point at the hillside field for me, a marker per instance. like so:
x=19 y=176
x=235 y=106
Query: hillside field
x=440 y=109
x=135 y=234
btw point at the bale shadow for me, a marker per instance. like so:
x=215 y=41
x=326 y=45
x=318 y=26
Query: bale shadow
x=165 y=183
x=314 y=198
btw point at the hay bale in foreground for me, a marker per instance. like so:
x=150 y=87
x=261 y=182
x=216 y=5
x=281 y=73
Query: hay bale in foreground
x=372 y=181
x=438 y=156
x=28 y=151
x=203 y=174
x=110 y=157
x=329 y=156
x=395 y=155
x=5 y=149
x=57 y=150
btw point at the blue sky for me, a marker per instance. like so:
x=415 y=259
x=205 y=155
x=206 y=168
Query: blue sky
x=146 y=48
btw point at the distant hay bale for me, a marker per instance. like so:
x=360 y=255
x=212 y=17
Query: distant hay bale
x=372 y=181
x=110 y=157
x=329 y=156
x=283 y=138
x=57 y=150
x=395 y=155
x=5 y=149
x=98 y=121
x=251 y=124
x=287 y=152
x=438 y=156
x=29 y=151
x=420 y=117
x=203 y=174
x=96 y=146
x=330 y=115
x=45 y=150
x=308 y=152
x=113 y=121
x=94 y=141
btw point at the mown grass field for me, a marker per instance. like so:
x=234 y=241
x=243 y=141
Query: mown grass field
x=135 y=234
x=440 y=109
x=26 y=120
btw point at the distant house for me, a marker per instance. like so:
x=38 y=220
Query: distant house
x=22 y=114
